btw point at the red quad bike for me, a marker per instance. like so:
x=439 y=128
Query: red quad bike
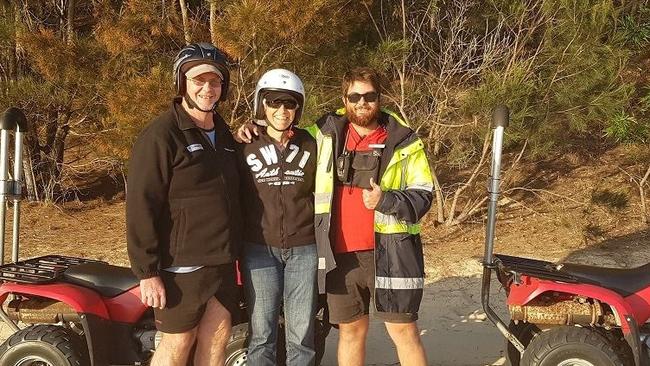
x=564 y=314
x=78 y=311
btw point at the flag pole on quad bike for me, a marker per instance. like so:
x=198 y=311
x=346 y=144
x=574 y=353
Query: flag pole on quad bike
x=500 y=120
x=12 y=120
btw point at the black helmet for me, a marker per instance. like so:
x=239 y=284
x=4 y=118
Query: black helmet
x=196 y=54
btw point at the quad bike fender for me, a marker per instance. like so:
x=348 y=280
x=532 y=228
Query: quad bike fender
x=80 y=299
x=87 y=303
x=126 y=307
x=530 y=288
x=640 y=303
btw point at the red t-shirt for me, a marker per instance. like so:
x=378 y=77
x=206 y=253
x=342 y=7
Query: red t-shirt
x=352 y=223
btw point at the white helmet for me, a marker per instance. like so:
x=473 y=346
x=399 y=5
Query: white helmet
x=279 y=80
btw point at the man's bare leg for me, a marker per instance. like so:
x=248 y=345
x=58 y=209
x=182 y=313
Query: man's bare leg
x=213 y=334
x=352 y=342
x=174 y=348
x=406 y=337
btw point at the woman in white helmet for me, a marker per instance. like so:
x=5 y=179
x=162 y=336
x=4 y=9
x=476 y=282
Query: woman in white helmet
x=280 y=257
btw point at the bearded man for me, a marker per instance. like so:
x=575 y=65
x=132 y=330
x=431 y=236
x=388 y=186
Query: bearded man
x=373 y=185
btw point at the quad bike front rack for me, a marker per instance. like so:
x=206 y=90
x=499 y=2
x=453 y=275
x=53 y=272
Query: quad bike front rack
x=40 y=270
x=500 y=120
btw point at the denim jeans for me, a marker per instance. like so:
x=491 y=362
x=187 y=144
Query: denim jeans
x=277 y=279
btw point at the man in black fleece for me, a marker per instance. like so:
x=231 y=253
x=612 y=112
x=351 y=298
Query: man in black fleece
x=183 y=214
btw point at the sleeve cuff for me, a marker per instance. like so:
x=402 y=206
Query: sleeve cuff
x=386 y=202
x=148 y=274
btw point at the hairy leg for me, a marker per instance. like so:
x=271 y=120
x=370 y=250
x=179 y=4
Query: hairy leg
x=406 y=337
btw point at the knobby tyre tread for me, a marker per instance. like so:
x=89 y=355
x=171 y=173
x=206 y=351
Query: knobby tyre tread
x=525 y=332
x=542 y=350
x=68 y=344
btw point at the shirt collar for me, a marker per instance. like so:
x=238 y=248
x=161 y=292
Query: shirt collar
x=183 y=118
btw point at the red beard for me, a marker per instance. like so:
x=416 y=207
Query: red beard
x=363 y=120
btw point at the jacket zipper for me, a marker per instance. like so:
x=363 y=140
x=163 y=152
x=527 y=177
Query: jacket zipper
x=281 y=194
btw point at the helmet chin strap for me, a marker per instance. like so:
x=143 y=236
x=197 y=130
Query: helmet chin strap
x=193 y=105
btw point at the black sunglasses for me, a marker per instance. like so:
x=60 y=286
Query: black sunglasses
x=369 y=97
x=287 y=103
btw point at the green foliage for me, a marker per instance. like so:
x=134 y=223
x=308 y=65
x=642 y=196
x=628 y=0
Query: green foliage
x=626 y=128
x=570 y=86
x=635 y=30
x=7 y=33
x=567 y=69
x=388 y=53
x=133 y=103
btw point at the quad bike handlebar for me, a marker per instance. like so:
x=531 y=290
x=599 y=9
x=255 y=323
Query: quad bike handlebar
x=500 y=120
x=13 y=121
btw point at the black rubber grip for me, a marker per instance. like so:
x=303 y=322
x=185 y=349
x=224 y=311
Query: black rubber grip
x=13 y=117
x=501 y=116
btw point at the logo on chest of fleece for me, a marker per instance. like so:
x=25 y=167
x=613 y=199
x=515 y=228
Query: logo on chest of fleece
x=266 y=170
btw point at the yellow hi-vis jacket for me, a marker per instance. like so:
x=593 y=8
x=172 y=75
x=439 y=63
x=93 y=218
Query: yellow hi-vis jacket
x=407 y=195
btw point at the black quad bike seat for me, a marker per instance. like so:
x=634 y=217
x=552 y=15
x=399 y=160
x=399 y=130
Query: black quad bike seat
x=624 y=281
x=106 y=279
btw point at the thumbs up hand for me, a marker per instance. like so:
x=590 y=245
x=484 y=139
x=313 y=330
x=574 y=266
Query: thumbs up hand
x=371 y=197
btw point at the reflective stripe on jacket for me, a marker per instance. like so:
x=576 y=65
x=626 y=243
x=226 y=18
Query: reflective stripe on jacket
x=407 y=188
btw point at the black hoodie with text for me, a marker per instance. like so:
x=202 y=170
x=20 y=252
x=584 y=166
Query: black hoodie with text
x=278 y=191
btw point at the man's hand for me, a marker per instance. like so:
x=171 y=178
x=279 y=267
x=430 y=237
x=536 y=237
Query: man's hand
x=372 y=197
x=152 y=292
x=245 y=132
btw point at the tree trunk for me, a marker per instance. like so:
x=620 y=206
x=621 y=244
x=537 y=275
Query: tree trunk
x=644 y=207
x=58 y=143
x=8 y=71
x=440 y=203
x=32 y=164
x=186 y=25
x=59 y=148
x=69 y=26
x=28 y=172
x=173 y=12
x=23 y=15
x=14 y=53
x=213 y=20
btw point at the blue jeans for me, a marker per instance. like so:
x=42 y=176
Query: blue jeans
x=273 y=277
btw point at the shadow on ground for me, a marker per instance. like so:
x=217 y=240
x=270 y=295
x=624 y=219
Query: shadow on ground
x=452 y=324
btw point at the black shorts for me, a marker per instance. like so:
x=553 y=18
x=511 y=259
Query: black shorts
x=188 y=293
x=350 y=287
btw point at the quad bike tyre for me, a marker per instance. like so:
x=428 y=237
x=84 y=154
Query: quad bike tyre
x=43 y=345
x=571 y=346
x=237 y=346
x=525 y=333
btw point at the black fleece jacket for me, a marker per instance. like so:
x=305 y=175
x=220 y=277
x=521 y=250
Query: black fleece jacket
x=278 y=190
x=182 y=203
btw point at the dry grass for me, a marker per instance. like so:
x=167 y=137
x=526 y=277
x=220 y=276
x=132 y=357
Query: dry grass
x=93 y=230
x=589 y=212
